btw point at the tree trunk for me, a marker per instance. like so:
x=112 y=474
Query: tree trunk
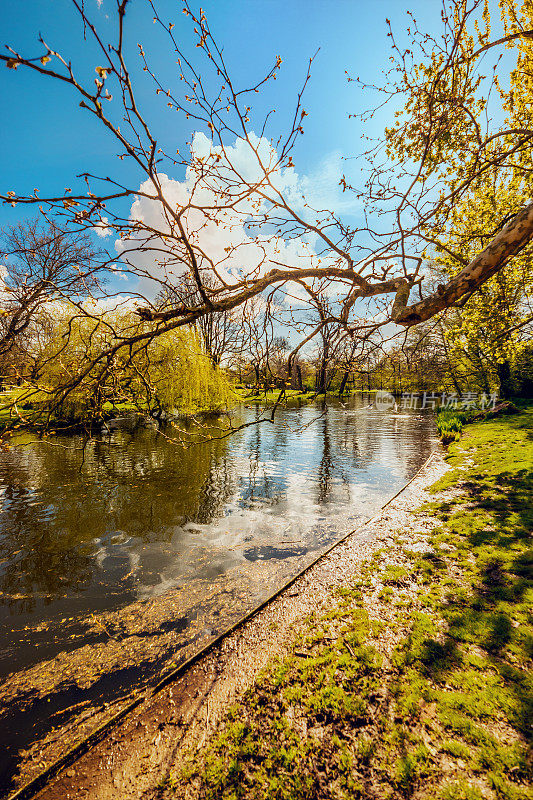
x=257 y=376
x=299 y=376
x=344 y=381
x=296 y=377
x=510 y=240
x=321 y=379
x=504 y=376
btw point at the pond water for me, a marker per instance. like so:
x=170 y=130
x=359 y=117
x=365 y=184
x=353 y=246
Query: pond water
x=133 y=533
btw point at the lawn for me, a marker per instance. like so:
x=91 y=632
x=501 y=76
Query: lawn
x=270 y=397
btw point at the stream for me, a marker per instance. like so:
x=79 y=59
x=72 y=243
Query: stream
x=127 y=552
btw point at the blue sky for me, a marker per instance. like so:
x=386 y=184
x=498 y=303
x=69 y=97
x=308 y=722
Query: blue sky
x=46 y=138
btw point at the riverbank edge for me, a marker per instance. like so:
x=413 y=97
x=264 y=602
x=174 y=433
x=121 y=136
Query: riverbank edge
x=42 y=426
x=415 y=681
x=127 y=764
x=27 y=420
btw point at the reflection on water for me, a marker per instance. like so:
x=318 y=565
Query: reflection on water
x=93 y=529
x=117 y=555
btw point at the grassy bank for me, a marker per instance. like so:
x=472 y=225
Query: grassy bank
x=417 y=682
x=291 y=397
x=17 y=410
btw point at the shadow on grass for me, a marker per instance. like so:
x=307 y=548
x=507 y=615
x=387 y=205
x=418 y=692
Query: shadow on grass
x=490 y=615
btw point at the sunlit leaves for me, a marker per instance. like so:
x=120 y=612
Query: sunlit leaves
x=167 y=373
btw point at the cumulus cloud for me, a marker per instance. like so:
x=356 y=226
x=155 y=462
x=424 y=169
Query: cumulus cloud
x=120 y=303
x=322 y=190
x=102 y=229
x=4 y=288
x=225 y=236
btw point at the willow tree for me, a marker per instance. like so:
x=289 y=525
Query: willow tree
x=174 y=373
x=455 y=124
x=169 y=374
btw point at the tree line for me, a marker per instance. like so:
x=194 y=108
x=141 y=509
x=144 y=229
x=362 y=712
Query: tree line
x=435 y=281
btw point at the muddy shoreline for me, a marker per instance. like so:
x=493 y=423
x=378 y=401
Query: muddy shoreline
x=111 y=658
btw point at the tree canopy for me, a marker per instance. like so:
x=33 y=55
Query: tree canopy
x=448 y=181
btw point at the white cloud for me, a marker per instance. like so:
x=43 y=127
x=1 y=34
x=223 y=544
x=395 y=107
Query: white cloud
x=101 y=228
x=236 y=249
x=105 y=305
x=321 y=188
x=4 y=288
x=119 y=272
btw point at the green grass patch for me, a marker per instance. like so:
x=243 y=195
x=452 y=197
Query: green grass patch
x=291 y=397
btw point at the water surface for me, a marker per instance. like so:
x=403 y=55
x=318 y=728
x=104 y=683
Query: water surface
x=88 y=529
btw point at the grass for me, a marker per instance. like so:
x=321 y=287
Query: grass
x=450 y=422
x=448 y=712
x=17 y=411
x=16 y=408
x=291 y=397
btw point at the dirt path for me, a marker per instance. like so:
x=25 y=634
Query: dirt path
x=137 y=756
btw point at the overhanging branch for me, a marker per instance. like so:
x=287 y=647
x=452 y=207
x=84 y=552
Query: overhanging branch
x=507 y=243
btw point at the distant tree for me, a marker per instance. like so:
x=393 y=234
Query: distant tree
x=257 y=336
x=298 y=373
x=220 y=330
x=522 y=370
x=277 y=358
x=41 y=264
x=455 y=122
x=350 y=359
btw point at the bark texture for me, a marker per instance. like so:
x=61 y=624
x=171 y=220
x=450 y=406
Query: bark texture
x=509 y=241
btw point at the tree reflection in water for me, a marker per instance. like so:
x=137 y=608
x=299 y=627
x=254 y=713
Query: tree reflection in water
x=90 y=530
x=59 y=515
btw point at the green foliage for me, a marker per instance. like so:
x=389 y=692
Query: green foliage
x=450 y=423
x=456 y=748
x=487 y=334
x=291 y=397
x=460 y=790
x=411 y=767
x=168 y=373
x=481 y=184
x=522 y=370
x=182 y=377
x=394 y=574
